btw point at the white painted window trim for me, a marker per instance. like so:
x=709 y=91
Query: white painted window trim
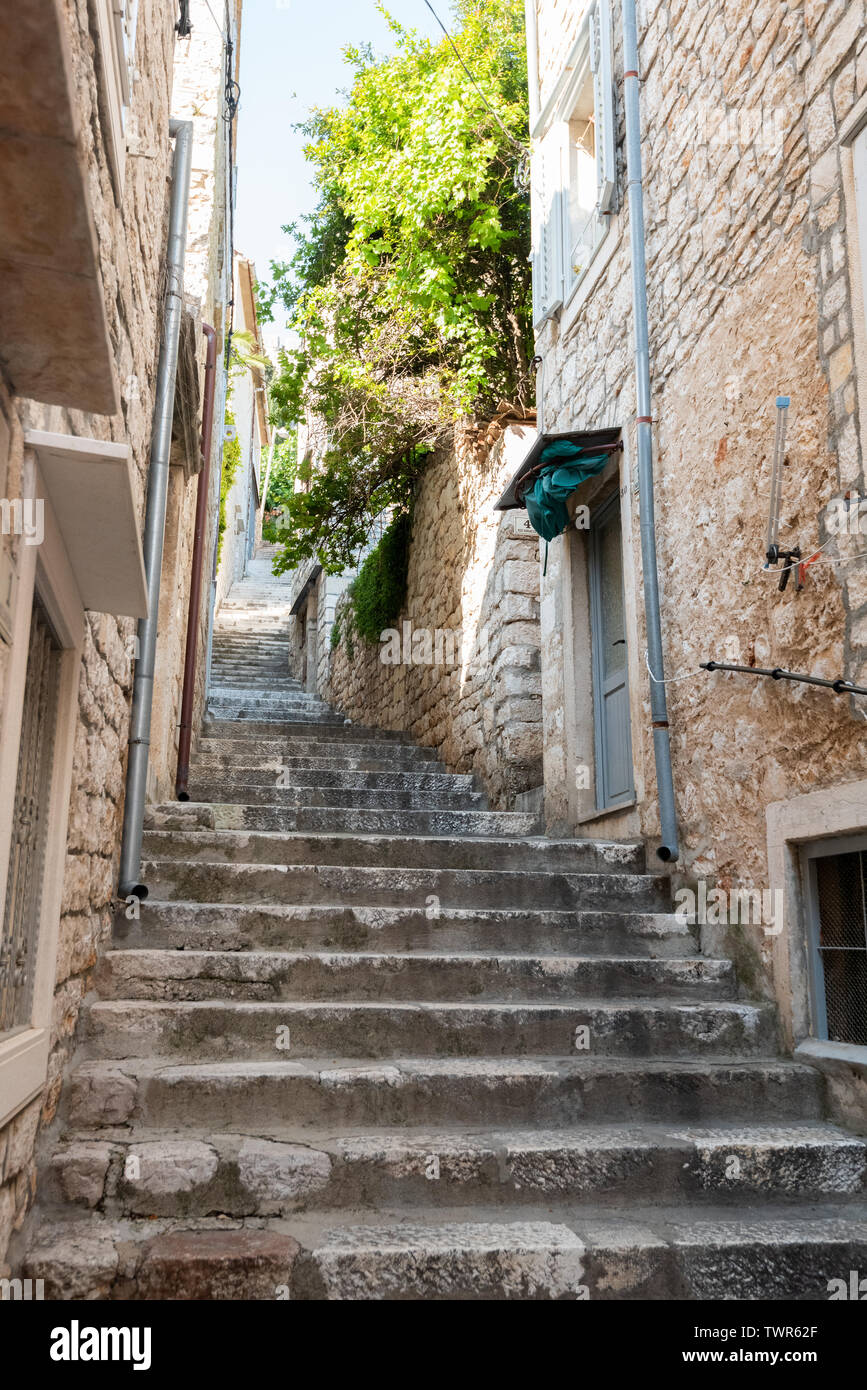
x=553 y=287
x=24 y=1053
x=117 y=24
x=833 y=812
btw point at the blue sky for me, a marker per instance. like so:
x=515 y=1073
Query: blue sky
x=291 y=60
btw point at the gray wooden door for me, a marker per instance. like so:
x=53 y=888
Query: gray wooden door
x=613 y=740
x=20 y=938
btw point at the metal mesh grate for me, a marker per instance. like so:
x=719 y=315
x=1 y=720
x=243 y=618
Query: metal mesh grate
x=842 y=900
x=19 y=937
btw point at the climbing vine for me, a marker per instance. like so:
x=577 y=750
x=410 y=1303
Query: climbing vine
x=378 y=592
x=409 y=288
x=228 y=473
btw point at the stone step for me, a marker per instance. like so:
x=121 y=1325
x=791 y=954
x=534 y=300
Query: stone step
x=215 y=882
x=272 y=703
x=155 y=1174
x=250 y=768
x=317 y=752
x=265 y=697
x=285 y=714
x=425 y=778
x=531 y=1091
x=189 y=815
x=207 y=1030
x=523 y=855
x=270 y=677
x=338 y=728
x=667 y=1254
x=326 y=975
x=363 y=791
x=267 y=672
x=275 y=926
x=321 y=744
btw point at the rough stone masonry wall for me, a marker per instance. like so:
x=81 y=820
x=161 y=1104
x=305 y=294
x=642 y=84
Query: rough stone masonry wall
x=131 y=251
x=470 y=572
x=197 y=95
x=749 y=295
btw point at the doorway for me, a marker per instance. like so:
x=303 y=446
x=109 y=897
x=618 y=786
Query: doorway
x=612 y=734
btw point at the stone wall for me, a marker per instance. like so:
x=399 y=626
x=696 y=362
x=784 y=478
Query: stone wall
x=474 y=577
x=131 y=238
x=750 y=294
x=197 y=95
x=131 y=228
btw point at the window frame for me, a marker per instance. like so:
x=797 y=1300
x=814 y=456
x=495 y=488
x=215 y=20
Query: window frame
x=555 y=284
x=24 y=1052
x=812 y=851
x=117 y=28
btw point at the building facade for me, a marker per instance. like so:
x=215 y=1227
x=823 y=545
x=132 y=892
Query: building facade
x=754 y=153
x=89 y=90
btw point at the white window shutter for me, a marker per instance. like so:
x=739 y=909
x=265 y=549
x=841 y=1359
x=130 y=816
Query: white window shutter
x=548 y=191
x=601 y=63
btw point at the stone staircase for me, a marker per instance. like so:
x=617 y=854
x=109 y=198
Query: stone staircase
x=370 y=1039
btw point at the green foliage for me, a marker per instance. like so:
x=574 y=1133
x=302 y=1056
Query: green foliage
x=335 y=634
x=410 y=285
x=228 y=473
x=378 y=592
x=281 y=484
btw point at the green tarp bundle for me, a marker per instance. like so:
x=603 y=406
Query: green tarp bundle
x=562 y=468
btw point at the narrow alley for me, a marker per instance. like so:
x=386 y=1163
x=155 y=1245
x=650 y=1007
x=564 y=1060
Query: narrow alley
x=433 y=675
x=346 y=1048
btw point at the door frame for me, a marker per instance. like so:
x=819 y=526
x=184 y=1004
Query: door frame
x=604 y=512
x=24 y=1052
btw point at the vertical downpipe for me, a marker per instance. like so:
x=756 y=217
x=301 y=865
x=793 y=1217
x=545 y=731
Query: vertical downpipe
x=185 y=736
x=155 y=517
x=668 y=850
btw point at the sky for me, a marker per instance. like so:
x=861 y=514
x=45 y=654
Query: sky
x=291 y=60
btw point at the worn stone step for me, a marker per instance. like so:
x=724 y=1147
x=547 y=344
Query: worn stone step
x=157 y=1174
x=538 y=1260
x=322 y=746
x=240 y=713
x=266 y=699
x=249 y=768
x=240 y=926
x=338 y=728
x=275 y=975
x=358 y=793
x=253 y=1095
x=422 y=779
x=663 y=1253
x=243 y=1029
x=341 y=820
x=530 y=855
x=667 y=1256
x=339 y=756
x=217 y=882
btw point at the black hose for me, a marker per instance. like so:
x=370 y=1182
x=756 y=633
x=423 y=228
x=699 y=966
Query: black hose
x=839 y=686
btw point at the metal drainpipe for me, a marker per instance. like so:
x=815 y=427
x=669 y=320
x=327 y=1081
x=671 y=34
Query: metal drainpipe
x=155 y=517
x=189 y=692
x=669 y=849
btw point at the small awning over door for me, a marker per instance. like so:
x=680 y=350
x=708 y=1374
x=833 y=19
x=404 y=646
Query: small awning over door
x=585 y=439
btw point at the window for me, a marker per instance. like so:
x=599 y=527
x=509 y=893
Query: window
x=574 y=167
x=116 y=26
x=836 y=872
x=22 y=914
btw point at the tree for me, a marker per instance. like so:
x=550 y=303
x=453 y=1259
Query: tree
x=410 y=285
